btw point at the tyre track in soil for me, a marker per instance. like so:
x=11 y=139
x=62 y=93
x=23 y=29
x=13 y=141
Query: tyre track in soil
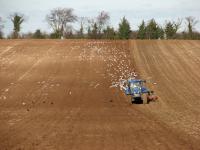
x=176 y=87
x=34 y=117
x=86 y=113
x=28 y=122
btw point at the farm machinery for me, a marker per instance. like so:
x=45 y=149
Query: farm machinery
x=138 y=91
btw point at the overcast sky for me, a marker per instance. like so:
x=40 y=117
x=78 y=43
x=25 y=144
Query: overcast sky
x=134 y=10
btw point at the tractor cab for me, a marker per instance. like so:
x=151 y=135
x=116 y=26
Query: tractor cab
x=135 y=87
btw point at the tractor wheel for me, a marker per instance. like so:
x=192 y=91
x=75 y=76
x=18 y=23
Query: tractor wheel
x=132 y=100
x=145 y=99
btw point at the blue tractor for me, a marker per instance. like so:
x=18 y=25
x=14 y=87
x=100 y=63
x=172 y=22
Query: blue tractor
x=139 y=93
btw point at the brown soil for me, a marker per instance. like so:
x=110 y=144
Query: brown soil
x=56 y=94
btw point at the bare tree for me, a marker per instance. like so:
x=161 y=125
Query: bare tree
x=177 y=24
x=17 y=20
x=1 y=23
x=171 y=28
x=59 y=19
x=82 y=21
x=1 y=27
x=96 y=26
x=102 y=20
x=90 y=22
x=191 y=22
x=89 y=26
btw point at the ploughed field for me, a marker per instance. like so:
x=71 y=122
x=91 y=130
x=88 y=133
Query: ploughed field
x=64 y=94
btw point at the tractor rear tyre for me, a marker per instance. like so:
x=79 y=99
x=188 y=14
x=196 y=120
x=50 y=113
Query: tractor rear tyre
x=132 y=100
x=145 y=99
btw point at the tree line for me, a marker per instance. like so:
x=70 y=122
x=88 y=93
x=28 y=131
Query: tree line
x=61 y=21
